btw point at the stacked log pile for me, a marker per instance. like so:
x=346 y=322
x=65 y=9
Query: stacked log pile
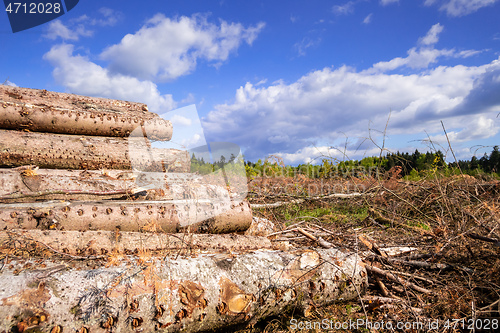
x=88 y=152
x=98 y=229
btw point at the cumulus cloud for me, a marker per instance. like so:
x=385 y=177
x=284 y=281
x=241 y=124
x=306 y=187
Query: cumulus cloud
x=324 y=106
x=81 y=76
x=484 y=95
x=458 y=8
x=166 y=48
x=477 y=128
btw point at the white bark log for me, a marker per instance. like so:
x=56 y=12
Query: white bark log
x=46 y=111
x=92 y=244
x=202 y=216
x=28 y=184
x=61 y=151
x=206 y=292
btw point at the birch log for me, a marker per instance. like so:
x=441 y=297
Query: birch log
x=44 y=111
x=203 y=216
x=28 y=184
x=209 y=291
x=93 y=244
x=61 y=151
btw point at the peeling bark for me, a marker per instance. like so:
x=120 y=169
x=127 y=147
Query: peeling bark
x=44 y=111
x=169 y=294
x=61 y=151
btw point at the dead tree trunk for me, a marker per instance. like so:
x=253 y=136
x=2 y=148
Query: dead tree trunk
x=197 y=293
x=61 y=151
x=43 y=111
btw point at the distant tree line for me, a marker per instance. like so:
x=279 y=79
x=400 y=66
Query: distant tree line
x=412 y=165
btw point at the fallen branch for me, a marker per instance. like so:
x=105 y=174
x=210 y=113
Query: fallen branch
x=495 y=241
x=297 y=201
x=395 y=278
x=372 y=246
x=323 y=243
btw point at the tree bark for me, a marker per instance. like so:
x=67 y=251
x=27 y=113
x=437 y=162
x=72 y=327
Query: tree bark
x=209 y=291
x=89 y=245
x=28 y=184
x=44 y=111
x=195 y=215
x=61 y=151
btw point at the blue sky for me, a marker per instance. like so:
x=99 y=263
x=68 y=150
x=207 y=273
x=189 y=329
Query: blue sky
x=298 y=79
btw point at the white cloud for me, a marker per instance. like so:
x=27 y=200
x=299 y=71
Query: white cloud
x=8 y=83
x=432 y=35
x=416 y=59
x=81 y=76
x=76 y=28
x=306 y=43
x=458 y=8
x=164 y=48
x=368 y=19
x=344 y=9
x=180 y=120
x=110 y=17
x=323 y=106
x=194 y=141
x=388 y=2
x=424 y=55
x=56 y=29
x=477 y=128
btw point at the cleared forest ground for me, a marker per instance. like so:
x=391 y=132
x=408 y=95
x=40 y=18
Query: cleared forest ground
x=431 y=248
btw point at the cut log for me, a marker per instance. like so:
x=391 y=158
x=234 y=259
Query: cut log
x=203 y=215
x=44 y=111
x=28 y=184
x=61 y=151
x=92 y=244
x=170 y=294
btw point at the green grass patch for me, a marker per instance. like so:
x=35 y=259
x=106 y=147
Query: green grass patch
x=332 y=214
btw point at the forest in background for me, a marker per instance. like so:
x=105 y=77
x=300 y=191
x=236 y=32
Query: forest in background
x=413 y=166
